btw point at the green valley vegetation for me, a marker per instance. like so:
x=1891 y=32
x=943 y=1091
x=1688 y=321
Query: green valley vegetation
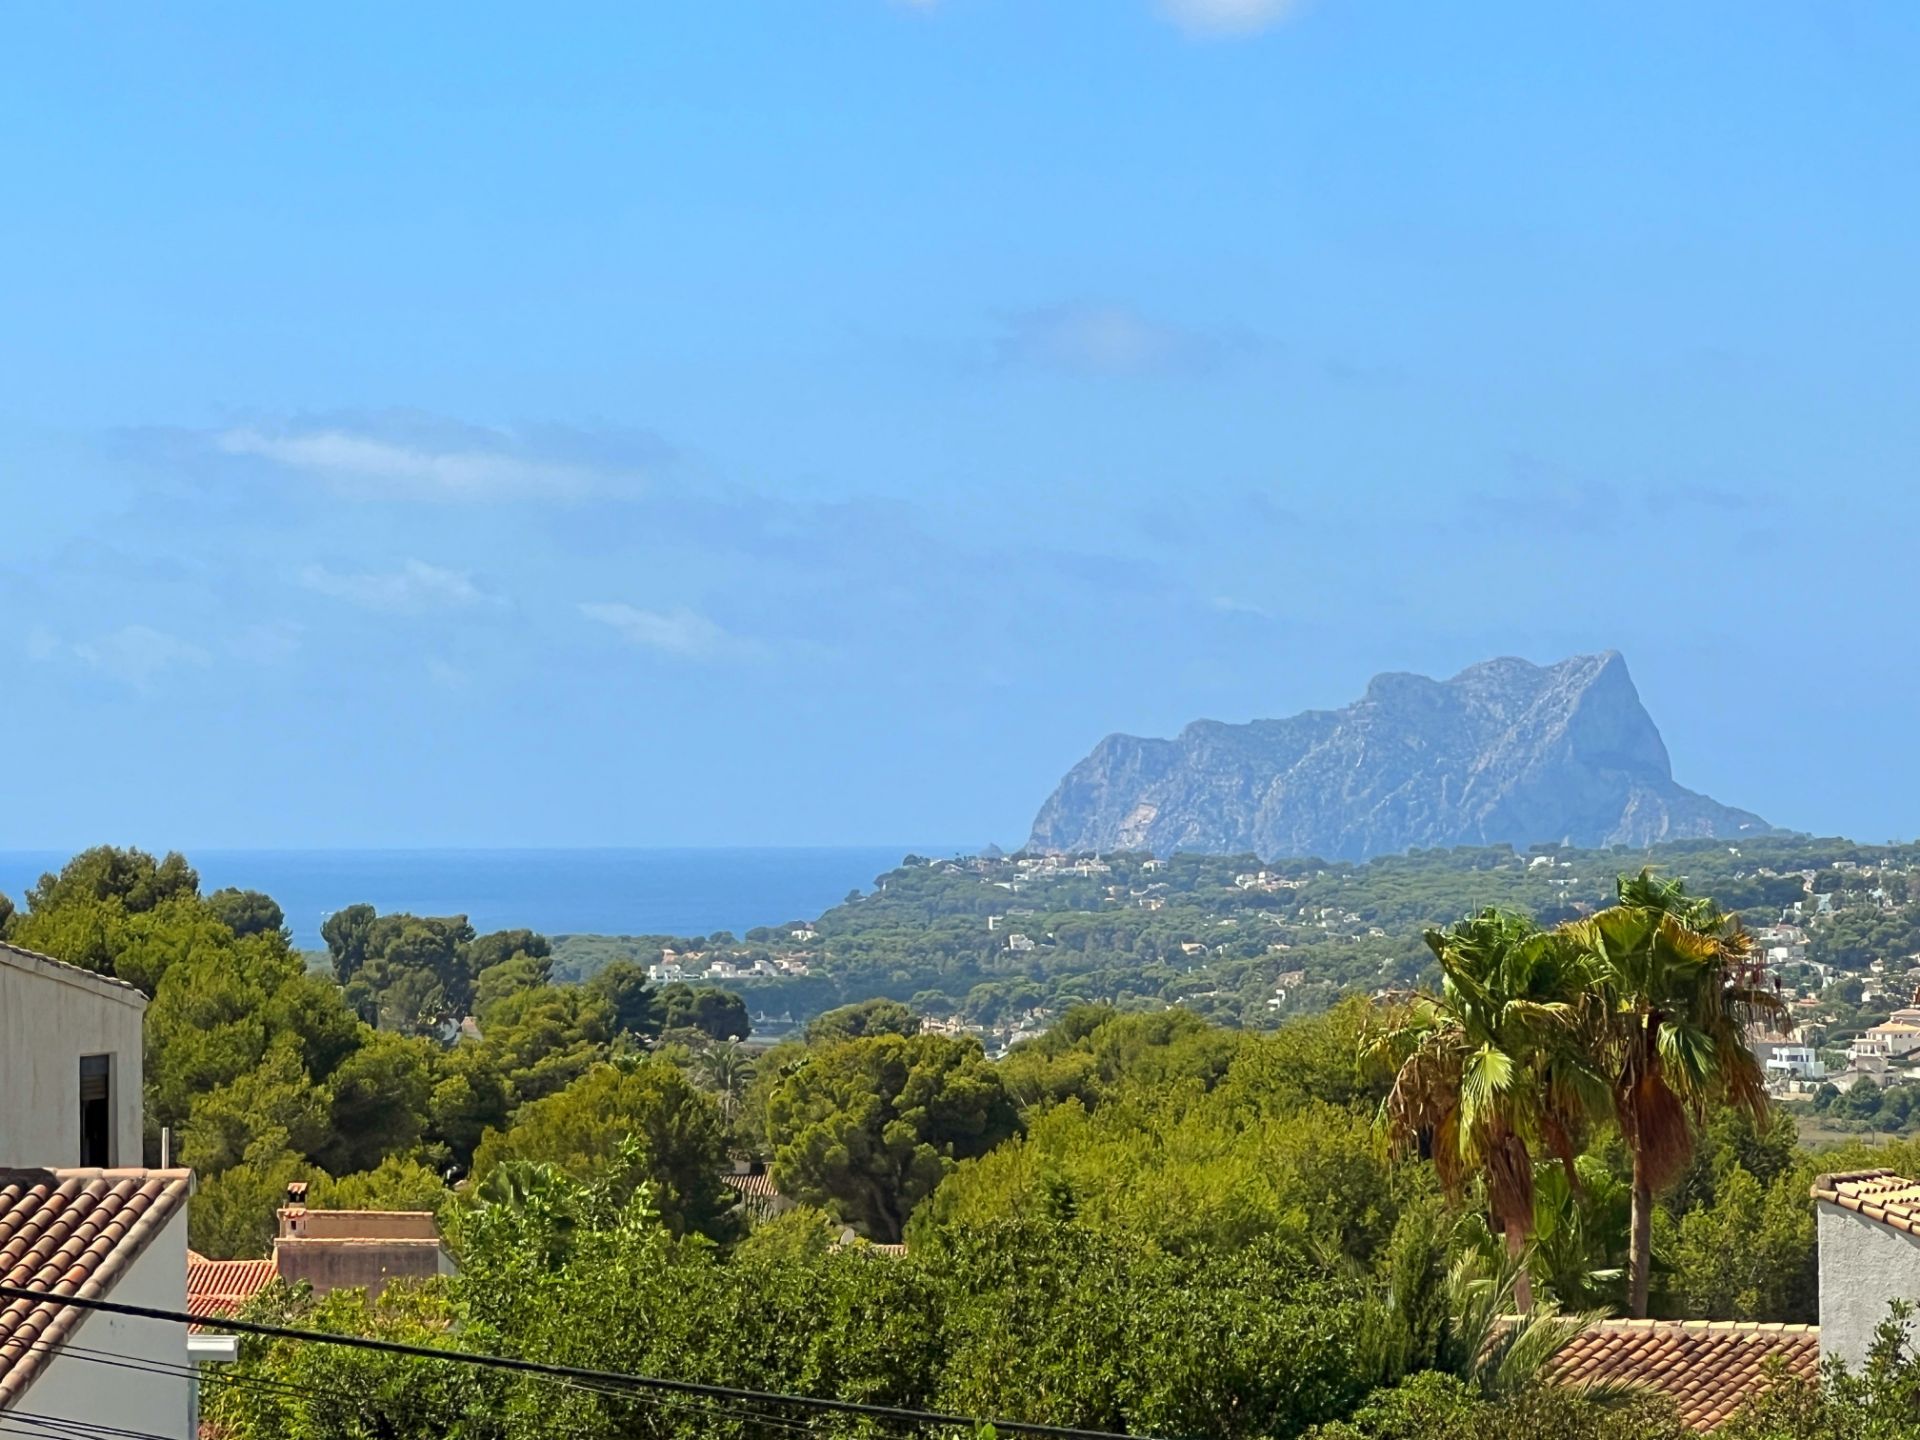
x=1001 y=946
x=1138 y=1219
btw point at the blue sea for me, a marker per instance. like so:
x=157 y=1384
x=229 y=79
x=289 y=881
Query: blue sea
x=557 y=892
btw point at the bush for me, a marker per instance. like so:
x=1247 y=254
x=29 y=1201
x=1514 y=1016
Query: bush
x=1438 y=1407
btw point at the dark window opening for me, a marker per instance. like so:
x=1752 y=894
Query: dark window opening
x=96 y=1110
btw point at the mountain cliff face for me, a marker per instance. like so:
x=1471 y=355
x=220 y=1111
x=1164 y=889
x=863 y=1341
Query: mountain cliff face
x=1504 y=751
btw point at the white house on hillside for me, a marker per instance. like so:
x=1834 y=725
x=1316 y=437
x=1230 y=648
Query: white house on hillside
x=1897 y=1037
x=1795 y=1062
x=79 y=1215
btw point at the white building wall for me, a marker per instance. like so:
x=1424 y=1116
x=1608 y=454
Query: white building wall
x=75 y=1388
x=1864 y=1267
x=51 y=1015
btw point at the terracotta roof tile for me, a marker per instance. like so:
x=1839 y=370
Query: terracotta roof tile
x=759 y=1196
x=219 y=1288
x=73 y=1232
x=1877 y=1194
x=1706 y=1367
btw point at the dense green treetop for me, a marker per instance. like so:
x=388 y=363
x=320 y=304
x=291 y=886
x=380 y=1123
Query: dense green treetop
x=246 y=912
x=132 y=880
x=868 y=1128
x=868 y=1017
x=677 y=1135
x=716 y=1014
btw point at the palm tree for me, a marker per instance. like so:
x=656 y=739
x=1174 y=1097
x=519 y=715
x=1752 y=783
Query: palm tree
x=727 y=1070
x=1675 y=987
x=1486 y=1074
x=1458 y=1317
x=1580 y=1226
x=1500 y=1354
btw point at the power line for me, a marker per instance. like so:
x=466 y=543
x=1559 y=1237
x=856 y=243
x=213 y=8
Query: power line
x=220 y=1377
x=213 y=1374
x=223 y=1377
x=56 y=1425
x=585 y=1377
x=186 y=1371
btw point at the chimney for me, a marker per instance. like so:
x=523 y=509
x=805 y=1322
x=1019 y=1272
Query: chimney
x=293 y=1214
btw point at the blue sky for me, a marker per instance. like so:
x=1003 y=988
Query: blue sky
x=820 y=422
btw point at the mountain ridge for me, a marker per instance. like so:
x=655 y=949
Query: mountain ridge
x=1505 y=751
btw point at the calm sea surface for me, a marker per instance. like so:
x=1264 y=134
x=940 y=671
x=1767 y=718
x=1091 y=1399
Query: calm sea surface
x=602 y=892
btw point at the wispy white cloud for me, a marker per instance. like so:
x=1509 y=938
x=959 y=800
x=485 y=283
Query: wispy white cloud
x=1548 y=495
x=413 y=456
x=1197 y=17
x=1228 y=17
x=136 y=655
x=1105 y=339
x=679 y=631
x=414 y=589
x=360 y=461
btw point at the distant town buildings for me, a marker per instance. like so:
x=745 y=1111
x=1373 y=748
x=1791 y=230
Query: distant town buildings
x=677 y=969
x=1795 y=1062
x=1895 y=1039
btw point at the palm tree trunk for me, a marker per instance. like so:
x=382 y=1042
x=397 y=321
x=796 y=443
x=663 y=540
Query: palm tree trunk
x=1640 y=1247
x=1522 y=1280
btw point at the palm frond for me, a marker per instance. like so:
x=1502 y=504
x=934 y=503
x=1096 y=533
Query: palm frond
x=1499 y=1352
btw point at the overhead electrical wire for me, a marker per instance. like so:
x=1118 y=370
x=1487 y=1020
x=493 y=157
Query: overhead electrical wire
x=217 y=1376
x=44 y=1425
x=606 y=1381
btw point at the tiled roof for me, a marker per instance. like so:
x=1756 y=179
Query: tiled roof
x=1877 y=1194
x=70 y=1232
x=1706 y=1367
x=758 y=1194
x=219 y=1288
x=34 y=960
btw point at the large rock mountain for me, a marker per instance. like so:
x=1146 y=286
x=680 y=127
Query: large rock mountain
x=1504 y=751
